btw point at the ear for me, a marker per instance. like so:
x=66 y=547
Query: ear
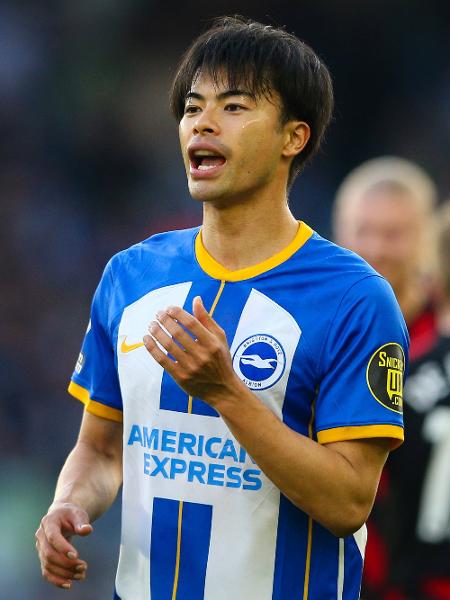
x=297 y=135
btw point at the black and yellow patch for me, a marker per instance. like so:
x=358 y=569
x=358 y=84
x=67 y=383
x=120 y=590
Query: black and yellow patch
x=384 y=376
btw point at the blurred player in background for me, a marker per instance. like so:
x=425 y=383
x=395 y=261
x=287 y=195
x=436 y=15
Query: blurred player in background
x=254 y=431
x=385 y=212
x=443 y=236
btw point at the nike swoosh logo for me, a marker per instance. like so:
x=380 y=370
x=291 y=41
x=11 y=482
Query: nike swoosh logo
x=129 y=347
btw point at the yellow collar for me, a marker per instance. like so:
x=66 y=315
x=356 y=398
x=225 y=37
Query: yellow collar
x=217 y=271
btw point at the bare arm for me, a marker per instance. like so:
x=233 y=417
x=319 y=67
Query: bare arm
x=92 y=474
x=334 y=484
x=87 y=486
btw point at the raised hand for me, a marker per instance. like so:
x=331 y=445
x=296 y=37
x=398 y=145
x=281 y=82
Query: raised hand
x=198 y=357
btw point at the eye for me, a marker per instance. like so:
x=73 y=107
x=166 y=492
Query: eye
x=233 y=107
x=191 y=109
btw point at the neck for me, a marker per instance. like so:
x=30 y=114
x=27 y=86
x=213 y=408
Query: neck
x=244 y=234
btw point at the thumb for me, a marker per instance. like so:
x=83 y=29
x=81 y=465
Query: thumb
x=80 y=522
x=201 y=314
x=83 y=529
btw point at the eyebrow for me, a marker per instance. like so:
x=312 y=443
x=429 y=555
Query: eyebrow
x=222 y=95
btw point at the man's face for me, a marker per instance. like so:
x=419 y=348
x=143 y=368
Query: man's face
x=231 y=142
x=384 y=227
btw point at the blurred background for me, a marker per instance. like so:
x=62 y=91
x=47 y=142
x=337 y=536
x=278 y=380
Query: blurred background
x=90 y=165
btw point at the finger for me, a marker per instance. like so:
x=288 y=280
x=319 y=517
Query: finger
x=48 y=554
x=199 y=311
x=157 y=333
x=77 y=523
x=191 y=323
x=65 y=574
x=161 y=358
x=84 y=529
x=56 y=539
x=59 y=525
x=203 y=316
x=179 y=334
x=56 y=580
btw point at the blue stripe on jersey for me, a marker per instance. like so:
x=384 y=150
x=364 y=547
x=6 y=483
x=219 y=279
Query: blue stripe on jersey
x=353 y=564
x=172 y=396
x=324 y=564
x=300 y=396
x=227 y=313
x=292 y=533
x=163 y=547
x=290 y=556
x=195 y=538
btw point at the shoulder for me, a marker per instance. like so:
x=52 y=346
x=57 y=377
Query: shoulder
x=342 y=278
x=157 y=250
x=162 y=259
x=330 y=258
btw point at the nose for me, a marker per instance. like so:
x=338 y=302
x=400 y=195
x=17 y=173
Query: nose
x=205 y=123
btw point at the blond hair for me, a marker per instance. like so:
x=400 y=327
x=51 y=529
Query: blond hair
x=396 y=174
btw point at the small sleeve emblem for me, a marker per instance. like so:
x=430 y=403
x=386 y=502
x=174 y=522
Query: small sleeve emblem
x=80 y=363
x=384 y=375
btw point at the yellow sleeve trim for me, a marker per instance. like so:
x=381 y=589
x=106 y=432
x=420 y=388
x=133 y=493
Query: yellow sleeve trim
x=218 y=271
x=342 y=434
x=93 y=407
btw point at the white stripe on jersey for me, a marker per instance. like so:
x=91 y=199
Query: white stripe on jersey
x=140 y=381
x=341 y=569
x=257 y=537
x=361 y=540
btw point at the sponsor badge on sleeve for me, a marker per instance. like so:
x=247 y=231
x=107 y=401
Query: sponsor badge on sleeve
x=384 y=375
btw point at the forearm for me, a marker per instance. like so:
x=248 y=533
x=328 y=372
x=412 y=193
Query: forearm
x=319 y=480
x=89 y=479
x=86 y=487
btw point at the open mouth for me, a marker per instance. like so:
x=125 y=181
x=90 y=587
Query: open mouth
x=205 y=160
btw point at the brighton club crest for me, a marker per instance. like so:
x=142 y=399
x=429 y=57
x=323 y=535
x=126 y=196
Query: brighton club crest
x=259 y=361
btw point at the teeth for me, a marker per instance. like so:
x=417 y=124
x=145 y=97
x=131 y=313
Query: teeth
x=204 y=153
x=206 y=167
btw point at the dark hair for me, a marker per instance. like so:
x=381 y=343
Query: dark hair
x=262 y=59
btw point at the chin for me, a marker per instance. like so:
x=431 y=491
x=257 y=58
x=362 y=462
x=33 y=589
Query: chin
x=204 y=193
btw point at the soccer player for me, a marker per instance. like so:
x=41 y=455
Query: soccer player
x=384 y=211
x=443 y=221
x=252 y=369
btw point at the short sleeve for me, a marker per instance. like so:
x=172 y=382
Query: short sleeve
x=94 y=381
x=362 y=365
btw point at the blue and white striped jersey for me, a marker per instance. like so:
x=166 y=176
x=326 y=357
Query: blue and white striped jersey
x=317 y=335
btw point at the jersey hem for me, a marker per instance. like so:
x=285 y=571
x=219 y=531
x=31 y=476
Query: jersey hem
x=96 y=408
x=359 y=432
